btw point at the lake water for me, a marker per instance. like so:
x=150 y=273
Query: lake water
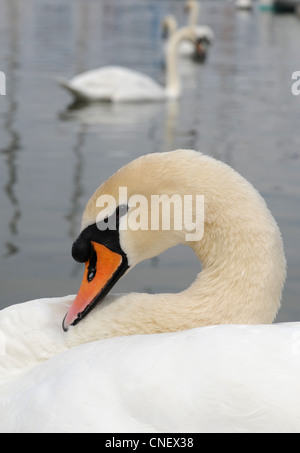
x=237 y=107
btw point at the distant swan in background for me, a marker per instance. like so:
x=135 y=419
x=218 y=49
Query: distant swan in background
x=118 y=84
x=205 y=38
x=186 y=48
x=163 y=372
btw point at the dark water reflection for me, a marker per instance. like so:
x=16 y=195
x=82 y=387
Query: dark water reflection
x=237 y=107
x=10 y=150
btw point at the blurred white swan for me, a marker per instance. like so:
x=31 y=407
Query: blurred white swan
x=118 y=84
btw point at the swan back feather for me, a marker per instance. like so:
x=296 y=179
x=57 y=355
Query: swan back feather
x=211 y=379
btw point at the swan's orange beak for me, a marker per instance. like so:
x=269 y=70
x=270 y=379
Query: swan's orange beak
x=102 y=271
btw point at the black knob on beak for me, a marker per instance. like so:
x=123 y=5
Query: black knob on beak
x=81 y=250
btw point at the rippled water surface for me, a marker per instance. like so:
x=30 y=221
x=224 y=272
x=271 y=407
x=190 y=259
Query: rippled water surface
x=238 y=107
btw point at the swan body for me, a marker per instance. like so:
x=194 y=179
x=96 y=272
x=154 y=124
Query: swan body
x=210 y=379
x=118 y=84
x=205 y=360
x=114 y=84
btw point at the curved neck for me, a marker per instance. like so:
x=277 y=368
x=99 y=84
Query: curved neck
x=242 y=278
x=243 y=262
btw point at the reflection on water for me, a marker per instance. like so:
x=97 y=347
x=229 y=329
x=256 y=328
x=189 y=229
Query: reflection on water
x=127 y=115
x=110 y=113
x=237 y=107
x=10 y=151
x=77 y=192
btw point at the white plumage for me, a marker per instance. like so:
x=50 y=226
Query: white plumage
x=210 y=379
x=114 y=84
x=184 y=374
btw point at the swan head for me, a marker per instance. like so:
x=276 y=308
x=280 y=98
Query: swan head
x=204 y=39
x=168 y=26
x=201 y=48
x=160 y=200
x=191 y=5
x=122 y=224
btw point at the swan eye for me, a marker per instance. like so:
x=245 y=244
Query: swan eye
x=91 y=274
x=92 y=267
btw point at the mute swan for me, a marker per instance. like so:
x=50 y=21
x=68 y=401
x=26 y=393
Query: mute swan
x=205 y=37
x=221 y=378
x=205 y=32
x=117 y=84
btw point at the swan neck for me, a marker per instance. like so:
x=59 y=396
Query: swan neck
x=243 y=262
x=173 y=85
x=171 y=24
x=194 y=14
